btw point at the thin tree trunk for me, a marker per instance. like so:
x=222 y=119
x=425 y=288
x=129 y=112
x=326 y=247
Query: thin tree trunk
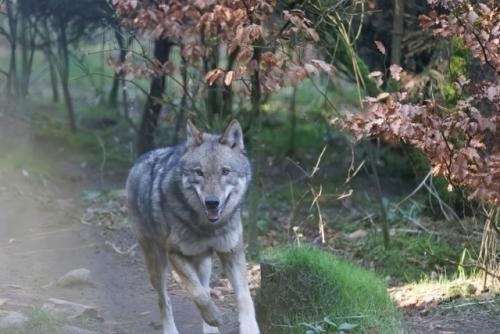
x=256 y=93
x=212 y=99
x=253 y=212
x=227 y=92
x=383 y=213
x=113 y=94
x=63 y=66
x=12 y=80
x=293 y=122
x=28 y=36
x=53 y=75
x=24 y=56
x=153 y=105
x=397 y=31
x=47 y=50
x=183 y=105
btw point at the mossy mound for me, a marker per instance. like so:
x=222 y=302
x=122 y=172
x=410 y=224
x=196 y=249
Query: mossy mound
x=305 y=285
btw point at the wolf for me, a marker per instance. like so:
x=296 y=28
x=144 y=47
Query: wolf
x=185 y=202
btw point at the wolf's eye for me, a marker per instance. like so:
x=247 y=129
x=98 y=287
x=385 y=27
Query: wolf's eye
x=198 y=172
x=225 y=171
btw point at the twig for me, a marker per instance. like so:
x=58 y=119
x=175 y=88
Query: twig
x=316 y=167
x=118 y=250
x=415 y=190
x=490 y=301
x=103 y=161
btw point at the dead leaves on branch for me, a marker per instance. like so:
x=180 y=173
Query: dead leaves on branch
x=478 y=24
x=462 y=145
x=240 y=28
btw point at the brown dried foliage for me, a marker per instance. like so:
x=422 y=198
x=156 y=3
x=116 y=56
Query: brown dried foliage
x=239 y=27
x=462 y=144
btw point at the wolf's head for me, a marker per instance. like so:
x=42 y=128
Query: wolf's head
x=215 y=172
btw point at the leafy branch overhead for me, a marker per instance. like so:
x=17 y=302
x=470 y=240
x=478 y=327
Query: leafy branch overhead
x=254 y=35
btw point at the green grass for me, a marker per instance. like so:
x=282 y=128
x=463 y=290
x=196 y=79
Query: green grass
x=308 y=284
x=410 y=257
x=24 y=158
x=40 y=321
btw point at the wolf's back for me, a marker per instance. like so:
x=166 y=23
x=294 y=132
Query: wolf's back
x=146 y=189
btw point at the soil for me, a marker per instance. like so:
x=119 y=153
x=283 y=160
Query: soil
x=42 y=237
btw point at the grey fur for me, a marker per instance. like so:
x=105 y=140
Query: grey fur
x=167 y=194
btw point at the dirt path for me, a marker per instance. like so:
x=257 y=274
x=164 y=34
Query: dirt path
x=42 y=238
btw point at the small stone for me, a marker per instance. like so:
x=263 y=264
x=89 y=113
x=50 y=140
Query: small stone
x=13 y=319
x=471 y=289
x=76 y=277
x=357 y=235
x=424 y=312
x=409 y=302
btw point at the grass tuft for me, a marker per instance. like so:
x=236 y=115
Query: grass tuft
x=40 y=321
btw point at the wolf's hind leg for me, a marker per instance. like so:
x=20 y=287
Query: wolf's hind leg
x=186 y=270
x=157 y=263
x=204 y=270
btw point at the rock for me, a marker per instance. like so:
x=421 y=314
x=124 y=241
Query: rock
x=72 y=310
x=74 y=330
x=76 y=277
x=471 y=289
x=357 y=235
x=13 y=319
x=408 y=302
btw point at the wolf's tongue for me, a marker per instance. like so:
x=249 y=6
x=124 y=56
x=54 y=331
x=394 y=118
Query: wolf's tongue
x=213 y=215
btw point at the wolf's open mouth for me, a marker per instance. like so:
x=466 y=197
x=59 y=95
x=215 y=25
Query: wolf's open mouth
x=213 y=215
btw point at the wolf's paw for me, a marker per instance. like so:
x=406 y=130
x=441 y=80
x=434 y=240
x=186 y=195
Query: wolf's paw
x=171 y=330
x=211 y=314
x=207 y=329
x=249 y=327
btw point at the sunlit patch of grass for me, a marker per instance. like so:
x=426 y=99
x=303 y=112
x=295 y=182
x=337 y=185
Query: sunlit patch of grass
x=307 y=284
x=434 y=291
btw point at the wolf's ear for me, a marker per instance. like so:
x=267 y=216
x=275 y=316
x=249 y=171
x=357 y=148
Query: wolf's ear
x=233 y=136
x=194 y=135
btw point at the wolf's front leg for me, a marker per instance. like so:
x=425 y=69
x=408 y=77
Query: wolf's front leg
x=186 y=270
x=204 y=270
x=156 y=262
x=235 y=267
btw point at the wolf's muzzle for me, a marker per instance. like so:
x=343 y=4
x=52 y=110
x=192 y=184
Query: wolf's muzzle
x=212 y=207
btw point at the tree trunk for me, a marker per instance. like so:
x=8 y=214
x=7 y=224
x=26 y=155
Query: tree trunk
x=183 y=105
x=63 y=67
x=113 y=94
x=53 y=75
x=256 y=93
x=47 y=50
x=12 y=80
x=397 y=31
x=27 y=43
x=227 y=92
x=255 y=97
x=293 y=122
x=153 y=105
x=210 y=62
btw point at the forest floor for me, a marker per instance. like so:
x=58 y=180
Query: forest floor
x=42 y=238
x=54 y=222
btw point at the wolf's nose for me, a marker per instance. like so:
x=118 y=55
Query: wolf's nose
x=211 y=202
